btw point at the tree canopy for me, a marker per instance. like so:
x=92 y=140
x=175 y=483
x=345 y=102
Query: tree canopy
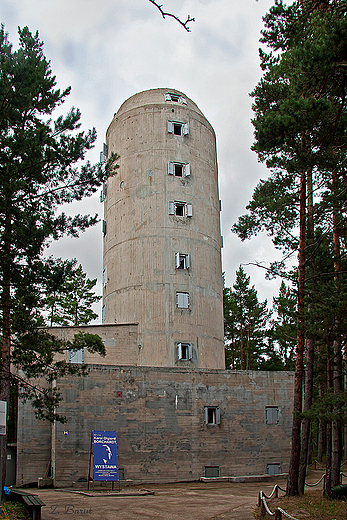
x=300 y=127
x=42 y=166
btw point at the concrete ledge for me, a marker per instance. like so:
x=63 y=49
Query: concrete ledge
x=101 y=484
x=105 y=493
x=44 y=482
x=245 y=478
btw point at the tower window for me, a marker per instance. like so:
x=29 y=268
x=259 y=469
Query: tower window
x=182 y=300
x=181 y=261
x=103 y=192
x=180 y=209
x=184 y=351
x=177 y=128
x=104 y=277
x=179 y=169
x=212 y=415
x=175 y=98
x=271 y=414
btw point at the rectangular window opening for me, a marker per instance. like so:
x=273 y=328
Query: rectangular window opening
x=76 y=356
x=274 y=468
x=176 y=98
x=271 y=414
x=184 y=351
x=178 y=170
x=179 y=209
x=212 y=415
x=182 y=261
x=182 y=300
x=212 y=471
x=177 y=129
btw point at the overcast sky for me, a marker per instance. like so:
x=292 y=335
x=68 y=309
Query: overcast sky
x=107 y=51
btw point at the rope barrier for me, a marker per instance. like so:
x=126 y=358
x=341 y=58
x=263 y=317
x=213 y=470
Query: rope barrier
x=316 y=484
x=286 y=514
x=265 y=508
x=279 y=512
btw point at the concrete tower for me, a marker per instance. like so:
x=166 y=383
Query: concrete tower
x=162 y=262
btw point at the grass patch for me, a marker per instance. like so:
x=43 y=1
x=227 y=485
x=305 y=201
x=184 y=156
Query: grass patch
x=15 y=511
x=310 y=505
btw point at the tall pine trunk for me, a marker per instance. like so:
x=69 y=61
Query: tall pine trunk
x=328 y=426
x=292 y=483
x=337 y=371
x=6 y=332
x=306 y=423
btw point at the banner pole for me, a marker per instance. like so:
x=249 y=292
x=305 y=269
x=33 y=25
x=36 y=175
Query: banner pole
x=90 y=457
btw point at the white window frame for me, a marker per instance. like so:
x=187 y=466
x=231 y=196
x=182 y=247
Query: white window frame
x=76 y=356
x=171 y=168
x=271 y=414
x=182 y=261
x=175 y=98
x=178 y=125
x=182 y=300
x=187 y=208
x=211 y=415
x=184 y=351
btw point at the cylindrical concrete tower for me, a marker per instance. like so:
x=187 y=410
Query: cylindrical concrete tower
x=162 y=261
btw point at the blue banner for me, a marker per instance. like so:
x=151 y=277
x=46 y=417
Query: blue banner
x=105 y=456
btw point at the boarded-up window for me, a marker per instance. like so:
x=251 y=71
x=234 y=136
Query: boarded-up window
x=212 y=471
x=182 y=300
x=274 y=468
x=271 y=414
x=76 y=356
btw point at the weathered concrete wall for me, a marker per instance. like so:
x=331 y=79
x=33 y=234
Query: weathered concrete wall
x=158 y=414
x=142 y=238
x=121 y=342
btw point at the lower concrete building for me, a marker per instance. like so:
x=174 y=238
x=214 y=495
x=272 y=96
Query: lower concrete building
x=172 y=424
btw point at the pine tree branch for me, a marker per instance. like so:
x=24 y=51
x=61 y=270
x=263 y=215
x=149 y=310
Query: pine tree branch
x=164 y=14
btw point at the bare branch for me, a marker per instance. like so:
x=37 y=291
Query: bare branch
x=164 y=14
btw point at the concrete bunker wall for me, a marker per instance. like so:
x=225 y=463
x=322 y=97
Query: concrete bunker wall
x=159 y=415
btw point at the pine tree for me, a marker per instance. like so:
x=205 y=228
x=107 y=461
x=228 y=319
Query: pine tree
x=300 y=124
x=245 y=321
x=284 y=325
x=39 y=171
